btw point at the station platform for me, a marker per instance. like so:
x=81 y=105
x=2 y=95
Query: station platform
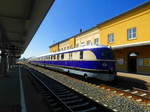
x=144 y=80
x=17 y=94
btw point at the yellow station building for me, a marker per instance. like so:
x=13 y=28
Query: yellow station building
x=128 y=34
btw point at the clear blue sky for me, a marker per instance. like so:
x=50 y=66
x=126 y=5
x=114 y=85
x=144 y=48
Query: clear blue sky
x=67 y=17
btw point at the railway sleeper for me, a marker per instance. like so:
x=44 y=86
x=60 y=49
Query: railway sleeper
x=65 y=92
x=79 y=105
x=50 y=100
x=74 y=101
x=86 y=109
x=54 y=104
x=70 y=98
x=61 y=90
x=92 y=109
x=66 y=95
x=59 y=109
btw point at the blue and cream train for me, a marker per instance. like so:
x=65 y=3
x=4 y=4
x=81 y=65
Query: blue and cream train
x=88 y=61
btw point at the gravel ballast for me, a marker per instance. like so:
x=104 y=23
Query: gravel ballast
x=107 y=98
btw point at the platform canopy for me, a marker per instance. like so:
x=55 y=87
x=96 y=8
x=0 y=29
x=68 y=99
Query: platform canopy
x=19 y=21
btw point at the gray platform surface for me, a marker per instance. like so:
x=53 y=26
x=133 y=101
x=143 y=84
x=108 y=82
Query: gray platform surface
x=10 y=91
x=20 y=97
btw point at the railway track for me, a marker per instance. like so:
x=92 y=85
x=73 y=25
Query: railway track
x=136 y=94
x=61 y=98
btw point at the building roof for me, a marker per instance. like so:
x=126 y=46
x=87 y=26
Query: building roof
x=73 y=36
x=127 y=12
x=116 y=17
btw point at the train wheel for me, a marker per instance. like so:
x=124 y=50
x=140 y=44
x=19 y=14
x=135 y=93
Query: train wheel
x=85 y=77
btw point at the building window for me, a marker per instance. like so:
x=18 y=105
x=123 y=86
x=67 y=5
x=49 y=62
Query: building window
x=81 y=54
x=120 y=61
x=96 y=41
x=131 y=33
x=88 y=42
x=111 y=38
x=140 y=61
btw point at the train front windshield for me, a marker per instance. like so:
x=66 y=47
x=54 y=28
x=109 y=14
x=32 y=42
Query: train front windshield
x=106 y=54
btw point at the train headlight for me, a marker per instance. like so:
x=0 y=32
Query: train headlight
x=104 y=64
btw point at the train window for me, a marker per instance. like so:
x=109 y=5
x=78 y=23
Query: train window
x=106 y=54
x=89 y=42
x=54 y=57
x=70 y=55
x=77 y=45
x=57 y=56
x=81 y=54
x=62 y=56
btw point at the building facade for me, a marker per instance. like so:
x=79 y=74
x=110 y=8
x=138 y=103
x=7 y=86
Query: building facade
x=54 y=48
x=89 y=37
x=129 y=37
x=128 y=34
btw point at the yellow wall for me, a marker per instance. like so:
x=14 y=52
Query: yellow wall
x=139 y=18
x=54 y=48
x=72 y=42
x=67 y=44
x=89 y=35
x=142 y=54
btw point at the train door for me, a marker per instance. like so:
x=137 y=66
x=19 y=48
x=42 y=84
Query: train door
x=132 y=62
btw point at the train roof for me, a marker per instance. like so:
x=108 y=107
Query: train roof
x=75 y=49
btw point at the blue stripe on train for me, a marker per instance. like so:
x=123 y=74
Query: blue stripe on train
x=82 y=64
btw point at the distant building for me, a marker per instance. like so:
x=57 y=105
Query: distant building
x=128 y=34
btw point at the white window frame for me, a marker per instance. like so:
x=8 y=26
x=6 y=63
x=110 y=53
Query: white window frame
x=131 y=33
x=96 y=41
x=111 y=38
